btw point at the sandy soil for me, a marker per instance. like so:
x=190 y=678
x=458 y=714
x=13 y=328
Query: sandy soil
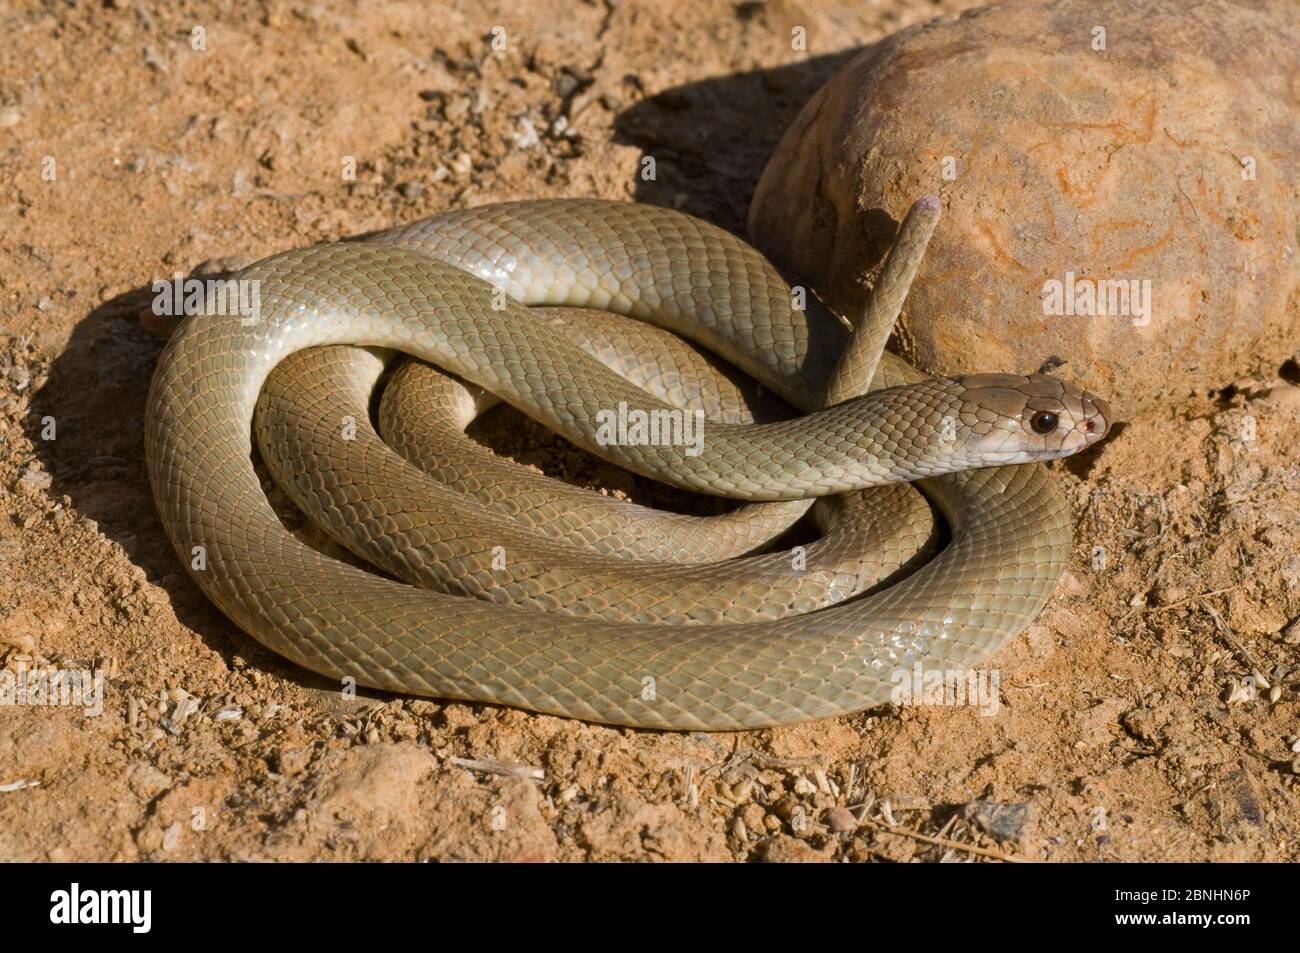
x=1126 y=731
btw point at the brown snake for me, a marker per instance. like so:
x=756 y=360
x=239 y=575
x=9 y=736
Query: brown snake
x=754 y=641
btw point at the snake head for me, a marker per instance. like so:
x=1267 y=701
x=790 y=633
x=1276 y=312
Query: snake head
x=1033 y=417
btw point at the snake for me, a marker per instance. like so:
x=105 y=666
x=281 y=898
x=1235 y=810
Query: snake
x=468 y=292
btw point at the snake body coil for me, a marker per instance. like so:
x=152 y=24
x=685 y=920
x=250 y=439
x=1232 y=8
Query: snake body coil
x=452 y=291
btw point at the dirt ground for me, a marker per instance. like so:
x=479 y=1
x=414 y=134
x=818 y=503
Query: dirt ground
x=1149 y=714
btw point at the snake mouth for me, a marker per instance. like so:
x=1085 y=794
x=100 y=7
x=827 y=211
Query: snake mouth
x=1015 y=457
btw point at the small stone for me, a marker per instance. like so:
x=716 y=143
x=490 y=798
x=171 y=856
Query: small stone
x=147 y=782
x=754 y=816
x=1002 y=822
x=1168 y=595
x=171 y=836
x=565 y=85
x=153 y=60
x=527 y=136
x=462 y=164
x=34 y=480
x=840 y=820
x=10 y=117
x=457 y=108
x=411 y=190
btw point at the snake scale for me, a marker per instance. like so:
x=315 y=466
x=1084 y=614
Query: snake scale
x=538 y=595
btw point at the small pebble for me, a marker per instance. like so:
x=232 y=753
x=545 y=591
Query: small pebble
x=1168 y=595
x=34 y=480
x=840 y=820
x=462 y=164
x=527 y=136
x=171 y=836
x=742 y=791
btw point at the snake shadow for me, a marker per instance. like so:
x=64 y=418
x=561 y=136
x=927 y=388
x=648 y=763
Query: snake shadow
x=94 y=395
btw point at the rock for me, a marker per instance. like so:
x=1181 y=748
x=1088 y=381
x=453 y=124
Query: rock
x=1007 y=823
x=1147 y=161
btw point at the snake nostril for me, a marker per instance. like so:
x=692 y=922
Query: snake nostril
x=1090 y=425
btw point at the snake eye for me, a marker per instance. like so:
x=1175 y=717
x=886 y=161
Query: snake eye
x=1044 y=422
